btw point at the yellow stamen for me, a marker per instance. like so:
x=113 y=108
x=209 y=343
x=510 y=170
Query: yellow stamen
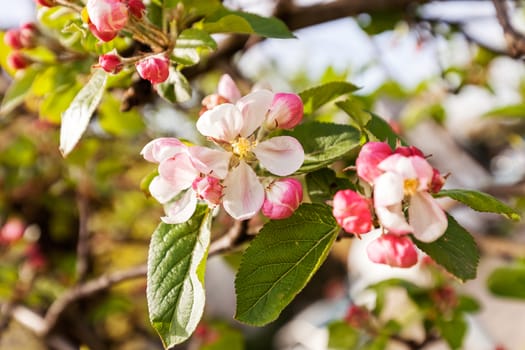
x=410 y=186
x=243 y=147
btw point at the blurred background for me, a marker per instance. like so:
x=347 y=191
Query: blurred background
x=442 y=73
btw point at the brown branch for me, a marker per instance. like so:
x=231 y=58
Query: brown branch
x=86 y=289
x=515 y=40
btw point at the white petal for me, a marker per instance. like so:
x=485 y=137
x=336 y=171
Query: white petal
x=254 y=107
x=243 y=193
x=388 y=189
x=393 y=219
x=400 y=165
x=162 y=190
x=210 y=161
x=223 y=122
x=181 y=210
x=281 y=155
x=426 y=217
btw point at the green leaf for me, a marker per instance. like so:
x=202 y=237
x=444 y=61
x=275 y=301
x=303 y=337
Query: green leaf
x=76 y=118
x=176 y=88
x=467 y=304
x=323 y=184
x=481 y=202
x=382 y=131
x=453 y=330
x=355 y=109
x=228 y=21
x=228 y=338
x=316 y=97
x=323 y=143
x=17 y=91
x=508 y=281
x=341 y=336
x=189 y=44
x=512 y=111
x=456 y=251
x=175 y=284
x=115 y=122
x=281 y=260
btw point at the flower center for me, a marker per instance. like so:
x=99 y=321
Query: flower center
x=243 y=147
x=410 y=186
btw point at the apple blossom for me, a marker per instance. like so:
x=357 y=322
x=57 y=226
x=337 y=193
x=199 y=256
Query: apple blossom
x=12 y=231
x=282 y=198
x=233 y=127
x=410 y=178
x=184 y=178
x=154 y=68
x=393 y=250
x=371 y=154
x=352 y=212
x=227 y=91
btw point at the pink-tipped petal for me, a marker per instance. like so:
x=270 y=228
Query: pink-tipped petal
x=243 y=193
x=224 y=122
x=388 y=189
x=162 y=190
x=181 y=210
x=426 y=217
x=254 y=107
x=228 y=89
x=281 y=155
x=210 y=161
x=371 y=154
x=286 y=111
x=178 y=171
x=107 y=15
x=162 y=148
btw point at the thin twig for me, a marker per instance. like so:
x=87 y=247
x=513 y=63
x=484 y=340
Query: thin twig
x=236 y=235
x=515 y=40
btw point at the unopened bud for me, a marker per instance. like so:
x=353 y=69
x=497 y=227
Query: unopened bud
x=282 y=198
x=352 y=212
x=391 y=249
x=208 y=188
x=154 y=68
x=285 y=112
x=28 y=35
x=136 y=8
x=111 y=63
x=46 y=3
x=107 y=15
x=12 y=39
x=12 y=231
x=17 y=60
x=103 y=36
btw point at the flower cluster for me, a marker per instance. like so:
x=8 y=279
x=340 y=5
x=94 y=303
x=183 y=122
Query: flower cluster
x=228 y=175
x=403 y=182
x=18 y=39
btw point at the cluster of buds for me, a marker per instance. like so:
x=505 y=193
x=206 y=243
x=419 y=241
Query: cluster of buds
x=401 y=179
x=18 y=39
x=226 y=175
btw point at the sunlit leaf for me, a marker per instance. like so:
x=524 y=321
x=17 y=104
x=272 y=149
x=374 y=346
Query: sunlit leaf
x=341 y=336
x=316 y=97
x=281 y=260
x=176 y=88
x=508 y=281
x=481 y=202
x=19 y=88
x=175 y=285
x=76 y=118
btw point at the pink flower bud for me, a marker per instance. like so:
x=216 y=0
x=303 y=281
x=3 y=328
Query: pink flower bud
x=17 y=60
x=393 y=250
x=285 y=112
x=352 y=212
x=103 y=36
x=371 y=154
x=409 y=151
x=110 y=62
x=12 y=39
x=208 y=188
x=137 y=8
x=46 y=3
x=154 y=68
x=28 y=35
x=282 y=198
x=437 y=181
x=12 y=231
x=107 y=15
